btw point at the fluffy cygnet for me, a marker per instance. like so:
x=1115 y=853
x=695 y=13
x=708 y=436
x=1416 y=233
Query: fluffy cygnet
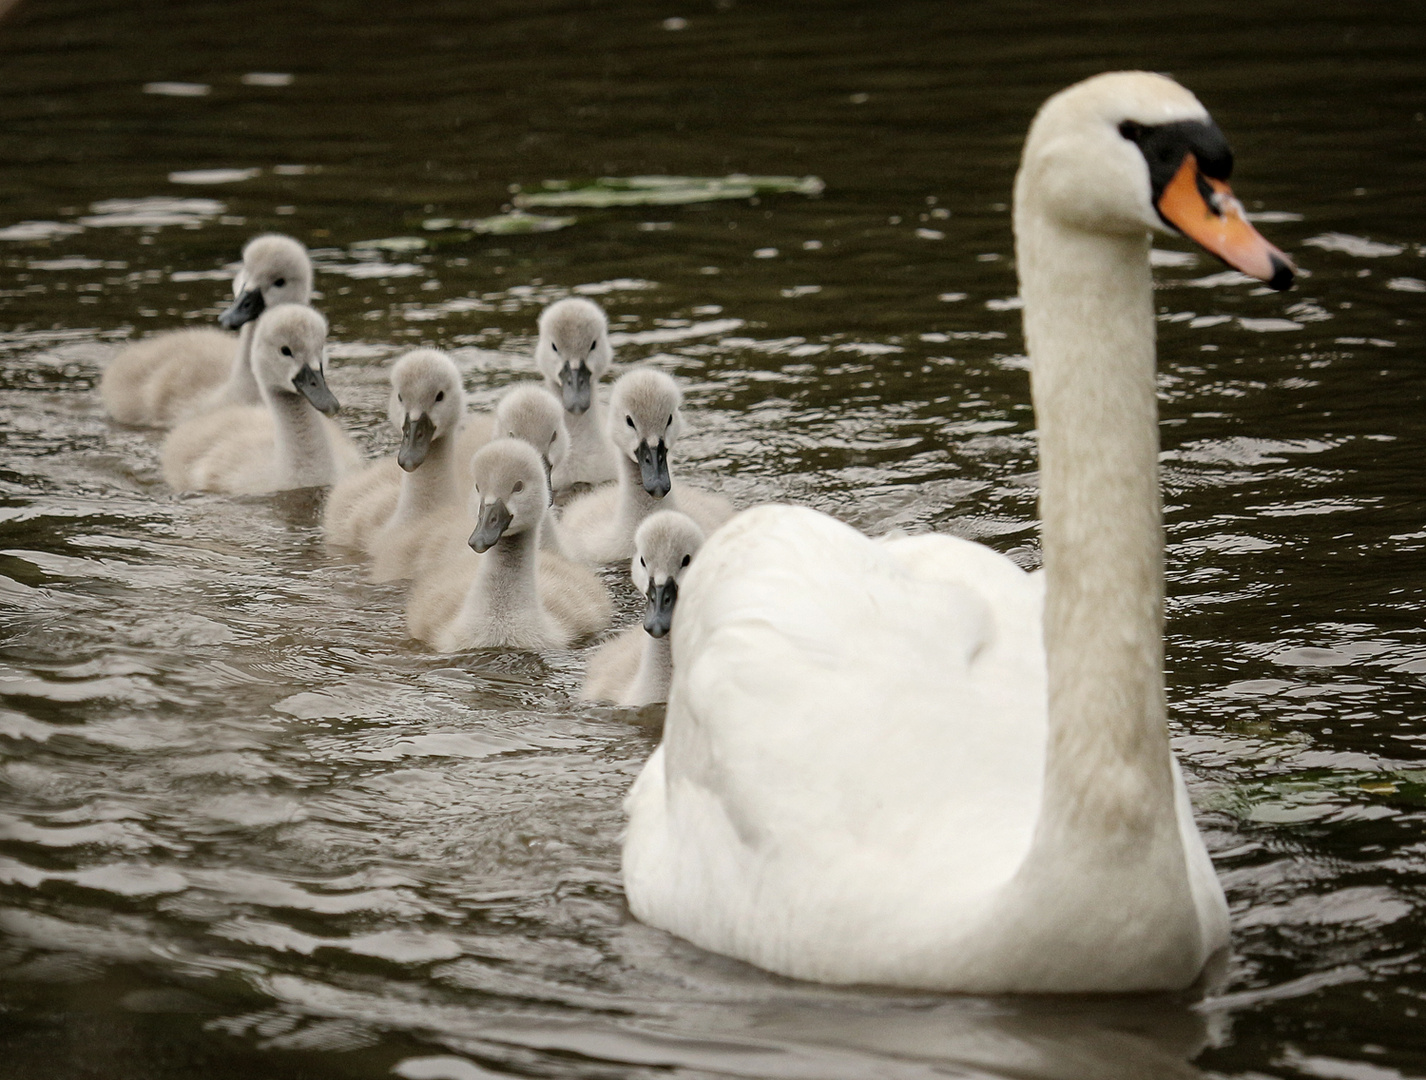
x=385 y=509
x=287 y=442
x=635 y=668
x=503 y=591
x=526 y=412
x=644 y=424
x=170 y=376
x=573 y=353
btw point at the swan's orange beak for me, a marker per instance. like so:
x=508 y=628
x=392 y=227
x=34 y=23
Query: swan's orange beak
x=1204 y=210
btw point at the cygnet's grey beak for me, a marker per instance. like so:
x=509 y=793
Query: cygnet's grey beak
x=658 y=617
x=416 y=438
x=246 y=308
x=653 y=468
x=575 y=388
x=313 y=386
x=495 y=518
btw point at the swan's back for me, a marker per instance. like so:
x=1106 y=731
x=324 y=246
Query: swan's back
x=153 y=382
x=831 y=763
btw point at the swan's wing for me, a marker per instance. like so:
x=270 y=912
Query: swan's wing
x=855 y=738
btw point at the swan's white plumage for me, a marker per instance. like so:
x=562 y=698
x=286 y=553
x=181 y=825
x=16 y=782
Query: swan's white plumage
x=164 y=378
x=908 y=762
x=285 y=443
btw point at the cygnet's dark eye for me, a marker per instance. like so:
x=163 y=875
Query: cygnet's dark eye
x=686 y=560
x=279 y=283
x=641 y=561
x=440 y=395
x=555 y=347
x=629 y=420
x=519 y=486
x=670 y=421
x=553 y=437
x=286 y=351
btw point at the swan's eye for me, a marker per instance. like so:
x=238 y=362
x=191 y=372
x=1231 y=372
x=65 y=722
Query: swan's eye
x=555 y=347
x=686 y=560
x=399 y=401
x=670 y=421
x=279 y=283
x=519 y=487
x=441 y=395
x=286 y=351
x=553 y=437
x=1131 y=131
x=642 y=563
x=629 y=420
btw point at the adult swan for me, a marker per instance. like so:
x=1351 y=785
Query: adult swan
x=910 y=762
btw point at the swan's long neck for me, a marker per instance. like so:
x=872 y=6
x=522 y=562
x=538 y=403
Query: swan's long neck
x=303 y=452
x=655 y=673
x=586 y=429
x=241 y=387
x=505 y=588
x=430 y=486
x=1089 y=329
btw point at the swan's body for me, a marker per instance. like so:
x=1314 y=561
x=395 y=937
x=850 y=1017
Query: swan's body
x=912 y=763
x=573 y=353
x=387 y=509
x=163 y=379
x=511 y=594
x=284 y=443
x=635 y=668
x=644 y=425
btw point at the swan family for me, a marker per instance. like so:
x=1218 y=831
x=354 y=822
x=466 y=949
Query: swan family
x=902 y=761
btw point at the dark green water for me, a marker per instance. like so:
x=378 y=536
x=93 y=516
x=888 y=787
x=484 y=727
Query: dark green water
x=248 y=829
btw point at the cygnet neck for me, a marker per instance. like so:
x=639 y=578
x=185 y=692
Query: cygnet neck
x=586 y=429
x=505 y=580
x=241 y=388
x=655 y=673
x=1089 y=331
x=304 y=454
x=432 y=484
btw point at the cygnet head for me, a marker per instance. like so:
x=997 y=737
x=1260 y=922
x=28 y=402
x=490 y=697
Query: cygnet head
x=289 y=355
x=1130 y=152
x=510 y=493
x=573 y=352
x=529 y=414
x=664 y=545
x=427 y=403
x=644 y=422
x=276 y=270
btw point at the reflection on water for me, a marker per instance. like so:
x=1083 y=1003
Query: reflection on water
x=248 y=828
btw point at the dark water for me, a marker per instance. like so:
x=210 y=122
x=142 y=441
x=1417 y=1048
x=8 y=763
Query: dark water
x=248 y=829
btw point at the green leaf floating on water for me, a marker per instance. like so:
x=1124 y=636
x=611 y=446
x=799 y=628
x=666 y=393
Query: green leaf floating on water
x=666 y=190
x=509 y=224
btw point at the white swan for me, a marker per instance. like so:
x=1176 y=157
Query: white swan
x=573 y=353
x=511 y=593
x=286 y=443
x=164 y=378
x=911 y=763
x=635 y=668
x=644 y=424
x=387 y=509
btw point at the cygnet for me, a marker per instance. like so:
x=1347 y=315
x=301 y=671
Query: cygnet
x=385 y=509
x=644 y=424
x=170 y=376
x=636 y=667
x=573 y=353
x=508 y=593
x=288 y=441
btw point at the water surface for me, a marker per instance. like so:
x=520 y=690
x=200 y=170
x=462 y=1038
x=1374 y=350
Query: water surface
x=248 y=828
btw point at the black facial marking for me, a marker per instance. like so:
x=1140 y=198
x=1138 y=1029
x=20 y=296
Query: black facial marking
x=1164 y=146
x=279 y=283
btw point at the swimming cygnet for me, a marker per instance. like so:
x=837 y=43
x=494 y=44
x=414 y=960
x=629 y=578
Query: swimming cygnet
x=503 y=591
x=635 y=668
x=644 y=423
x=284 y=443
x=170 y=376
x=385 y=509
x=573 y=353
x=528 y=413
